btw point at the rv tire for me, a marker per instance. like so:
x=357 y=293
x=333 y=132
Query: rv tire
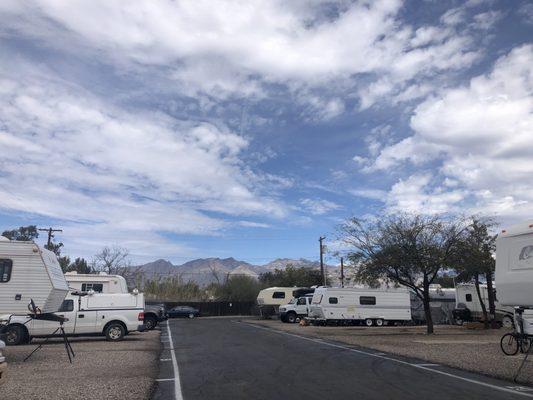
x=369 y=322
x=380 y=322
x=114 y=331
x=15 y=335
x=507 y=321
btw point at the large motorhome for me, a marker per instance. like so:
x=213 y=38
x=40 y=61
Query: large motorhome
x=28 y=272
x=271 y=298
x=468 y=299
x=370 y=306
x=514 y=270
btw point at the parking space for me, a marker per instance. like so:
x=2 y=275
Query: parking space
x=100 y=370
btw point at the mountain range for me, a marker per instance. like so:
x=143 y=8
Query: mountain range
x=208 y=270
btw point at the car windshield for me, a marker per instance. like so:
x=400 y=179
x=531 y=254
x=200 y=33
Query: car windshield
x=293 y=300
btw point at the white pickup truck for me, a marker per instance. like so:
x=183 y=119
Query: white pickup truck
x=296 y=309
x=111 y=315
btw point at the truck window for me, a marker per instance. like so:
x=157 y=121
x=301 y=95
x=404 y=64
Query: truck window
x=333 y=300
x=367 y=300
x=278 y=295
x=468 y=297
x=67 y=305
x=301 y=301
x=97 y=287
x=6 y=266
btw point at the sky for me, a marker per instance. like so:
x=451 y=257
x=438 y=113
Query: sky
x=186 y=129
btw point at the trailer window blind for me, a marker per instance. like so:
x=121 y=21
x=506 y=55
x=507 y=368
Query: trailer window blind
x=6 y=266
x=367 y=300
x=278 y=295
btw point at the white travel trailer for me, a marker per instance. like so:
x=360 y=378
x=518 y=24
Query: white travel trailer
x=371 y=306
x=271 y=298
x=514 y=270
x=29 y=272
x=467 y=298
x=99 y=283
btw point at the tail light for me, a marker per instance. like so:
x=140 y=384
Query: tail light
x=141 y=316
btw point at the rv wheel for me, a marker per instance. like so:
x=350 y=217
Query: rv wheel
x=507 y=321
x=369 y=322
x=15 y=335
x=379 y=322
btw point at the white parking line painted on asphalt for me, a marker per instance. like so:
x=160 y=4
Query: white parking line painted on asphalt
x=165 y=359
x=419 y=366
x=177 y=384
x=426 y=365
x=165 y=379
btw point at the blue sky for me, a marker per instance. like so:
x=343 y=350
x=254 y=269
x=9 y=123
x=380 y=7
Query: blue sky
x=248 y=129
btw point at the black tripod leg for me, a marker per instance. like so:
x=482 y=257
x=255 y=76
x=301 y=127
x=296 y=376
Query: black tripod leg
x=40 y=346
x=68 y=347
x=515 y=379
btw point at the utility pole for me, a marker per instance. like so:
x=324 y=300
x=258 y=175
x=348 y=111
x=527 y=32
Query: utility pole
x=320 y=239
x=50 y=235
x=342 y=272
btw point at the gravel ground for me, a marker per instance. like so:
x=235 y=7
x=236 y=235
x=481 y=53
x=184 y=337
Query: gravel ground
x=101 y=369
x=472 y=350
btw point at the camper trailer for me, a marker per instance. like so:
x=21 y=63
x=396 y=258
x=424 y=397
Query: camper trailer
x=28 y=272
x=441 y=303
x=514 y=270
x=370 y=306
x=468 y=307
x=99 y=283
x=270 y=299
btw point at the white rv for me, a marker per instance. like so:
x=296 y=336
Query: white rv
x=28 y=272
x=467 y=298
x=371 y=306
x=99 y=283
x=514 y=270
x=271 y=298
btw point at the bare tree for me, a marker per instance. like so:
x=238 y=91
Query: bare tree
x=115 y=261
x=406 y=249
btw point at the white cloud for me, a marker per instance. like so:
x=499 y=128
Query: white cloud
x=74 y=157
x=239 y=47
x=319 y=206
x=480 y=135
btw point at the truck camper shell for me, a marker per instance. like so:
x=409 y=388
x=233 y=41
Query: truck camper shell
x=99 y=283
x=514 y=265
x=28 y=272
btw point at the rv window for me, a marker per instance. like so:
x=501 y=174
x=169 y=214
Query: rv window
x=5 y=269
x=278 y=295
x=317 y=299
x=468 y=297
x=68 y=305
x=367 y=300
x=333 y=300
x=97 y=287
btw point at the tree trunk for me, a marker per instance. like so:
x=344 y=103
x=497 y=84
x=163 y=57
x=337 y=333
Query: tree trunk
x=492 y=300
x=483 y=308
x=427 y=307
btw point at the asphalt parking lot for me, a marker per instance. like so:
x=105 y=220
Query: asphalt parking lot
x=101 y=369
x=232 y=359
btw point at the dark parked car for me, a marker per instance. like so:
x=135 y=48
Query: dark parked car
x=184 y=312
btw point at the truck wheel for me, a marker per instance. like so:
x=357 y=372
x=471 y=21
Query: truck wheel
x=191 y=316
x=507 y=321
x=379 y=322
x=150 y=323
x=369 y=322
x=115 y=332
x=291 y=318
x=15 y=335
